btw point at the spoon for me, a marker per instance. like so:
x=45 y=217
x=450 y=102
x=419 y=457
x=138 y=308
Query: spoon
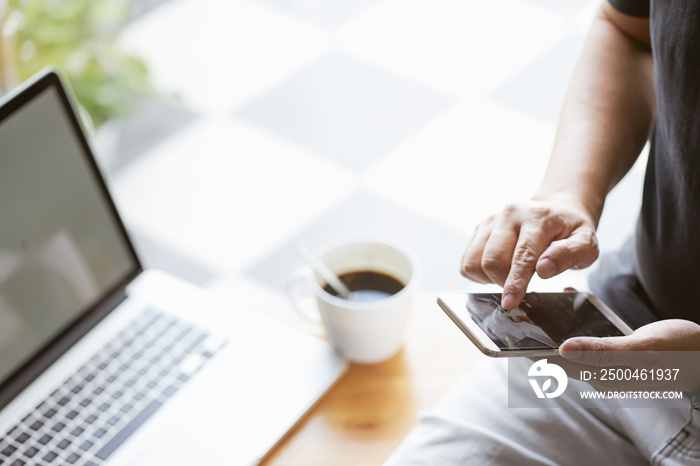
x=322 y=269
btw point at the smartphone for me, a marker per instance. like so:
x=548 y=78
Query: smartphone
x=537 y=327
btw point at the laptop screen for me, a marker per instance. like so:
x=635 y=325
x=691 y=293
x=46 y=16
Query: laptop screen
x=62 y=247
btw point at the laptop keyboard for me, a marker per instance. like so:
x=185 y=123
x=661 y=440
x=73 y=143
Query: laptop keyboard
x=93 y=412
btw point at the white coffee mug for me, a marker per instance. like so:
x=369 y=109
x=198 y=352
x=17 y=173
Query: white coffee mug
x=362 y=331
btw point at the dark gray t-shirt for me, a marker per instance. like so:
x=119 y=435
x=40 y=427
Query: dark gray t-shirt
x=657 y=274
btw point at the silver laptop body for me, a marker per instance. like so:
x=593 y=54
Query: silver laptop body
x=102 y=362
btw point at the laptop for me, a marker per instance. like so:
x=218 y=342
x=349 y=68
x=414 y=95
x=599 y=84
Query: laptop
x=102 y=362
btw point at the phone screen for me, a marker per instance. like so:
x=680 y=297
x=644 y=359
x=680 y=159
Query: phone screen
x=542 y=321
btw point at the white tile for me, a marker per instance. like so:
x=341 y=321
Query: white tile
x=249 y=294
x=225 y=192
x=466 y=165
x=327 y=13
x=218 y=54
x=459 y=47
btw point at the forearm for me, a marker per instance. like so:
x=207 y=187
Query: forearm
x=606 y=117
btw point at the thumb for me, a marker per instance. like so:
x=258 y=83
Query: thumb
x=607 y=351
x=577 y=251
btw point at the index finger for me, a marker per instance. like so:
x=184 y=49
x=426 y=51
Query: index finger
x=532 y=242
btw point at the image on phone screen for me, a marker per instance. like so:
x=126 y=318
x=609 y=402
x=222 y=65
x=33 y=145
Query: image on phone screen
x=542 y=321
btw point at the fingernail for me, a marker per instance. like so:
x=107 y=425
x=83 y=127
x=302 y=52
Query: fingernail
x=546 y=268
x=572 y=351
x=508 y=301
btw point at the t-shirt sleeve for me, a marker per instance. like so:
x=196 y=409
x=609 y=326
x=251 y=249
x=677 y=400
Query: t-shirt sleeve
x=637 y=8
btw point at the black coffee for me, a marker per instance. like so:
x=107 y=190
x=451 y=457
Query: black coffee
x=367 y=285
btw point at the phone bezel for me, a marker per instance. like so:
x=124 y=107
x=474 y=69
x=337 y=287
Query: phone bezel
x=455 y=306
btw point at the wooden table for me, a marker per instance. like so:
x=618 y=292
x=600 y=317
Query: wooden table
x=367 y=414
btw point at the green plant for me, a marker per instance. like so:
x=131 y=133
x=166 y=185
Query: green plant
x=80 y=37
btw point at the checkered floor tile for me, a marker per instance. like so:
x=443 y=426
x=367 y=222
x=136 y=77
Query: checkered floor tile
x=346 y=109
x=303 y=121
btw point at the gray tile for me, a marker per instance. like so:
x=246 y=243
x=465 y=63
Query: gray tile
x=330 y=14
x=346 y=109
x=437 y=248
x=539 y=89
x=155 y=255
x=119 y=142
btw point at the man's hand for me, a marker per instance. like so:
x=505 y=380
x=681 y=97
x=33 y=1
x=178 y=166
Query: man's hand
x=547 y=237
x=666 y=344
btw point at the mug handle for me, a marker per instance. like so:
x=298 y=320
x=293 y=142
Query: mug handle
x=300 y=276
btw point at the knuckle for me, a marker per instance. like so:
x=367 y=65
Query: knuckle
x=585 y=251
x=563 y=255
x=474 y=276
x=511 y=209
x=541 y=211
x=488 y=221
x=468 y=268
x=471 y=269
x=492 y=265
x=483 y=226
x=526 y=254
x=591 y=240
x=560 y=251
x=516 y=285
x=548 y=221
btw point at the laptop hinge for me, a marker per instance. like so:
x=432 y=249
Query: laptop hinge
x=18 y=381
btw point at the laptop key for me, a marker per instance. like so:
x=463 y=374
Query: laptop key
x=169 y=390
x=121 y=407
x=50 y=456
x=86 y=445
x=31 y=452
x=63 y=444
x=77 y=389
x=21 y=438
x=36 y=425
x=129 y=429
x=58 y=427
x=9 y=450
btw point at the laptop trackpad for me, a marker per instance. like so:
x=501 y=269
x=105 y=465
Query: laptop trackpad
x=202 y=435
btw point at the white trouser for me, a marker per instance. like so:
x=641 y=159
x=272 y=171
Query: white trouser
x=473 y=425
